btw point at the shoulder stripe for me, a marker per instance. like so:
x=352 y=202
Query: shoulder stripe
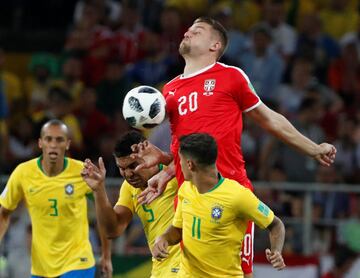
x=254 y=106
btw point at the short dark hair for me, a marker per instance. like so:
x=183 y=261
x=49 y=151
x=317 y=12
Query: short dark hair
x=199 y=146
x=216 y=25
x=54 y=122
x=124 y=143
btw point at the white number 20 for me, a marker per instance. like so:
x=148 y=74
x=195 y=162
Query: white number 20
x=188 y=103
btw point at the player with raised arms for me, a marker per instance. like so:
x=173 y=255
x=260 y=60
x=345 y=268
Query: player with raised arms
x=155 y=217
x=211 y=97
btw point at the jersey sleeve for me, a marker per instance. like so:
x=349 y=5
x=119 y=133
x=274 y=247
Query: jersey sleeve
x=178 y=220
x=13 y=192
x=244 y=92
x=125 y=197
x=88 y=190
x=248 y=206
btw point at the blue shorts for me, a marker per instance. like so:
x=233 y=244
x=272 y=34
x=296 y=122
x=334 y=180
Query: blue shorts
x=81 y=273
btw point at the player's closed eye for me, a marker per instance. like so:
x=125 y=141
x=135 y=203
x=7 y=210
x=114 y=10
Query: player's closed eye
x=132 y=166
x=57 y=139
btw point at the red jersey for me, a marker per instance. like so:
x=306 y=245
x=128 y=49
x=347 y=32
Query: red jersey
x=212 y=100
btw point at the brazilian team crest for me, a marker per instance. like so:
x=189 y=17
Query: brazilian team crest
x=69 y=189
x=216 y=212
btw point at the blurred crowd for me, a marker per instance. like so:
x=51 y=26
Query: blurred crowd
x=302 y=56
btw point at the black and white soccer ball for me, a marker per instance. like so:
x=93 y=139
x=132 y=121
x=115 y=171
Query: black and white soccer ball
x=144 y=107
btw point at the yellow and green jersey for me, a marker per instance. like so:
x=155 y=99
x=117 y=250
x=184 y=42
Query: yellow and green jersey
x=156 y=218
x=213 y=226
x=58 y=211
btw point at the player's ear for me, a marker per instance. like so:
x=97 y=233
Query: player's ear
x=68 y=144
x=190 y=165
x=40 y=143
x=215 y=46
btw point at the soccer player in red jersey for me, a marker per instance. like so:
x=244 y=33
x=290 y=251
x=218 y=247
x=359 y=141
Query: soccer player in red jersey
x=211 y=97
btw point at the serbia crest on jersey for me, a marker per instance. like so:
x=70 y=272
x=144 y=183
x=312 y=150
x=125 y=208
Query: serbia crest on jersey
x=212 y=100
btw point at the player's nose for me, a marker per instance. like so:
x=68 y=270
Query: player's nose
x=187 y=34
x=129 y=173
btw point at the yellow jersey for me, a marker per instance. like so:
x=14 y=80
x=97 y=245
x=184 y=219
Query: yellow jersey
x=58 y=211
x=155 y=218
x=213 y=226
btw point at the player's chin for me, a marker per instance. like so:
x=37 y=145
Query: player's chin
x=137 y=183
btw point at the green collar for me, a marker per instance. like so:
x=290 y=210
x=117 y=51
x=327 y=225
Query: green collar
x=66 y=162
x=161 y=166
x=221 y=180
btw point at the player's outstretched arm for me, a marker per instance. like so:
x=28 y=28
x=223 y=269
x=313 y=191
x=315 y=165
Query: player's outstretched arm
x=280 y=127
x=150 y=154
x=95 y=178
x=277 y=237
x=105 y=258
x=172 y=236
x=4 y=221
x=113 y=221
x=157 y=185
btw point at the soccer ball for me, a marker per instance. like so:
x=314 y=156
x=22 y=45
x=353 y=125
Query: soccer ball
x=144 y=107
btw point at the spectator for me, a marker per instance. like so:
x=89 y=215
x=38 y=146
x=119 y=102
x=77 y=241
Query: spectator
x=349 y=228
x=156 y=67
x=344 y=258
x=93 y=40
x=88 y=30
x=3 y=129
x=92 y=121
x=189 y=9
x=344 y=74
x=60 y=108
x=171 y=31
x=296 y=166
x=9 y=84
x=22 y=142
x=346 y=145
x=71 y=78
x=316 y=45
x=238 y=43
x=150 y=11
x=106 y=148
x=289 y=96
x=329 y=205
x=110 y=10
x=260 y=61
x=284 y=36
x=112 y=90
x=353 y=36
x=245 y=13
x=128 y=39
x=43 y=68
x=339 y=18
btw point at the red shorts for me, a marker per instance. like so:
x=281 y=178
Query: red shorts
x=247 y=250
